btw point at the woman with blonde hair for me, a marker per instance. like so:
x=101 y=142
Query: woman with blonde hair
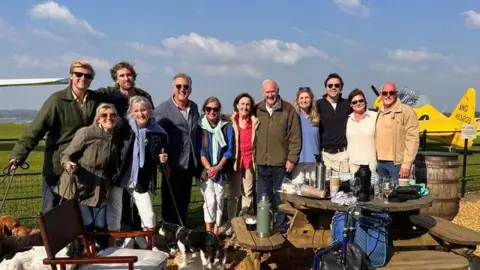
x=216 y=155
x=304 y=171
x=89 y=164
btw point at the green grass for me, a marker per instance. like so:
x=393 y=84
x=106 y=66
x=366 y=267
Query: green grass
x=24 y=199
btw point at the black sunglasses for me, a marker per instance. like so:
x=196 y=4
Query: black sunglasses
x=105 y=115
x=185 y=86
x=391 y=93
x=358 y=101
x=80 y=74
x=337 y=85
x=214 y=109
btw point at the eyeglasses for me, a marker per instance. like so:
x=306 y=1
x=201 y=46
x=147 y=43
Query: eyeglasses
x=87 y=76
x=214 y=109
x=111 y=115
x=185 y=86
x=337 y=85
x=391 y=93
x=358 y=101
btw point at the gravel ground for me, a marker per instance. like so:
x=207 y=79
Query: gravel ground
x=291 y=258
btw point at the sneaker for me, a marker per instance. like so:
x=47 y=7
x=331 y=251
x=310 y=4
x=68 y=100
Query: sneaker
x=128 y=243
x=229 y=230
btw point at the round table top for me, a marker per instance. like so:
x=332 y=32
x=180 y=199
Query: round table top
x=326 y=204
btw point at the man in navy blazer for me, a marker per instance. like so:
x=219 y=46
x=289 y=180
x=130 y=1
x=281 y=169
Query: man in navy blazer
x=179 y=117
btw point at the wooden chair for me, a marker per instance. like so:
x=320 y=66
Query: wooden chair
x=63 y=224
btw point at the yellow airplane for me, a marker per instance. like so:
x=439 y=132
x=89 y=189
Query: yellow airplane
x=442 y=128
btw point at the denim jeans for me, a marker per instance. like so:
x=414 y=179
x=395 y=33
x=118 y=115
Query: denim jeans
x=94 y=217
x=388 y=168
x=270 y=180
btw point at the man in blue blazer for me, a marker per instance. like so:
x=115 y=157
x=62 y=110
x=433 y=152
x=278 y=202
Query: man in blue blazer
x=178 y=115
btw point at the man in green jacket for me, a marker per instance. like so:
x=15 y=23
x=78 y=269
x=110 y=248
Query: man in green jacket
x=60 y=116
x=277 y=145
x=124 y=76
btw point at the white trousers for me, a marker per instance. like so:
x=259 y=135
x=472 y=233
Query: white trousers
x=141 y=200
x=213 y=206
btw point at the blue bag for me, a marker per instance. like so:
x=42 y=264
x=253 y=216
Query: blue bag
x=371 y=234
x=338 y=222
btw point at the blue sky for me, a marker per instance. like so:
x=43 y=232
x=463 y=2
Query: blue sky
x=229 y=47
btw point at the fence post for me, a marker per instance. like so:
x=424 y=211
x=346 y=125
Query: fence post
x=464 y=168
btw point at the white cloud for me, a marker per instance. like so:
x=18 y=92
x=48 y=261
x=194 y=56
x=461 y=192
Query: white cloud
x=415 y=55
x=25 y=61
x=10 y=33
x=147 y=49
x=46 y=34
x=391 y=68
x=353 y=7
x=472 y=19
x=466 y=70
x=300 y=31
x=353 y=44
x=51 y=10
x=214 y=56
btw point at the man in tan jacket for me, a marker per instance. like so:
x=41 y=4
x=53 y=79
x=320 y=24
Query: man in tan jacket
x=396 y=135
x=277 y=146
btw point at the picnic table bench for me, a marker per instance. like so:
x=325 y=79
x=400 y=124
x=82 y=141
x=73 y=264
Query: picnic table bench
x=250 y=240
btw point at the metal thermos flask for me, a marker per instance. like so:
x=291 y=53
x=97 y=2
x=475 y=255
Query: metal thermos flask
x=321 y=173
x=365 y=175
x=264 y=217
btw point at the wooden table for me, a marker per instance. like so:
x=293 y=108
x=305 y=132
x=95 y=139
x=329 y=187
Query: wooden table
x=250 y=240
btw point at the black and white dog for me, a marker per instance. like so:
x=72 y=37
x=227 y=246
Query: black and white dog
x=190 y=241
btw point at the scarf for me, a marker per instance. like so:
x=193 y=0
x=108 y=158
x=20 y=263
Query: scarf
x=217 y=137
x=138 y=150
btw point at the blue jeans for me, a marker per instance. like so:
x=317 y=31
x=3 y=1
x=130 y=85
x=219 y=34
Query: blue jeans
x=94 y=217
x=388 y=168
x=50 y=198
x=270 y=180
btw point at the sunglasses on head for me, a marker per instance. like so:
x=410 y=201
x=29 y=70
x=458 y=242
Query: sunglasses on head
x=80 y=74
x=358 y=101
x=391 y=93
x=337 y=85
x=214 y=109
x=185 y=86
x=111 y=115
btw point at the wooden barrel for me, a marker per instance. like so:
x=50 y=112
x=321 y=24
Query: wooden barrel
x=439 y=171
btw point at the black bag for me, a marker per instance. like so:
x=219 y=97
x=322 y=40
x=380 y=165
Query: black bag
x=356 y=259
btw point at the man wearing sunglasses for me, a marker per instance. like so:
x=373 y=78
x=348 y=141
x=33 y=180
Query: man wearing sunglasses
x=396 y=135
x=124 y=76
x=60 y=116
x=179 y=116
x=334 y=111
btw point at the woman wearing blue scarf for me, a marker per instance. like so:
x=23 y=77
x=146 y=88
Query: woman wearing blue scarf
x=142 y=151
x=216 y=156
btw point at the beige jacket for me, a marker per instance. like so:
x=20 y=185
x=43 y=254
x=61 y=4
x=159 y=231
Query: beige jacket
x=406 y=135
x=255 y=124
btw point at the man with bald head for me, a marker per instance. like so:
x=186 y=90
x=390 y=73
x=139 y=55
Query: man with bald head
x=396 y=135
x=277 y=146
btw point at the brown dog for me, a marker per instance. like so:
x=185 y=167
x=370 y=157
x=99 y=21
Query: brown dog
x=11 y=226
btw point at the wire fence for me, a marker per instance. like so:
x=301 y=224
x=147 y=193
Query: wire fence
x=24 y=200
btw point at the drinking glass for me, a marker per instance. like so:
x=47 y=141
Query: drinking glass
x=387 y=187
x=355 y=185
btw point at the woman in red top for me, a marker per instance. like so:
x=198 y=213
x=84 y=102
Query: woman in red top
x=244 y=124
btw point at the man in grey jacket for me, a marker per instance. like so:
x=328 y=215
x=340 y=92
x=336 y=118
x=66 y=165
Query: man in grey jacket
x=179 y=117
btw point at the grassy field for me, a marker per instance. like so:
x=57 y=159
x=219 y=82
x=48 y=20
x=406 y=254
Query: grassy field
x=24 y=199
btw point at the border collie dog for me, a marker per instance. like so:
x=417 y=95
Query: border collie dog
x=190 y=241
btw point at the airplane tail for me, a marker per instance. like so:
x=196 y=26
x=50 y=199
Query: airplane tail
x=465 y=109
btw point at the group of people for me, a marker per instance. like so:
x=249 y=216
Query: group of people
x=106 y=147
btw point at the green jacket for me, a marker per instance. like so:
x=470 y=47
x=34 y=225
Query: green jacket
x=59 y=118
x=111 y=94
x=279 y=136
